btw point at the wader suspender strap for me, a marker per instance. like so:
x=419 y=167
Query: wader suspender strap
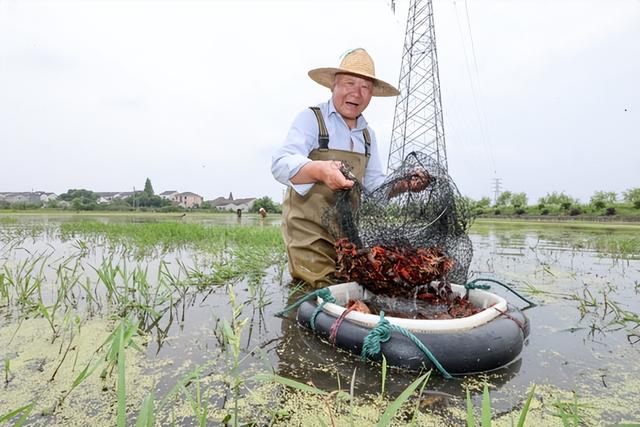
x=323 y=135
x=367 y=142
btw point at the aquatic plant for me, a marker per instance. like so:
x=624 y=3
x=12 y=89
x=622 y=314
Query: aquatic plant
x=392 y=409
x=24 y=282
x=146 y=415
x=23 y=413
x=7 y=365
x=485 y=413
x=383 y=371
x=571 y=413
x=232 y=332
x=160 y=300
x=198 y=404
x=115 y=345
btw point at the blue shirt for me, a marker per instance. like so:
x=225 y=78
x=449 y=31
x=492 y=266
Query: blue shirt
x=303 y=138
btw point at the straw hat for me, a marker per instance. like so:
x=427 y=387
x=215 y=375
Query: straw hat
x=356 y=62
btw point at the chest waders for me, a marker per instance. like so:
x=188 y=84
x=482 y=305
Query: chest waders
x=310 y=247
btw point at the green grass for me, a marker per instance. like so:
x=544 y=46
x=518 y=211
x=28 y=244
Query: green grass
x=570 y=413
x=23 y=412
x=622 y=246
x=623 y=211
x=485 y=412
x=232 y=253
x=543 y=223
x=385 y=419
x=124 y=288
x=173 y=235
x=387 y=416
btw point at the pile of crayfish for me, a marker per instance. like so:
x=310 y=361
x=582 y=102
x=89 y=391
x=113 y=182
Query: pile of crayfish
x=402 y=272
x=391 y=271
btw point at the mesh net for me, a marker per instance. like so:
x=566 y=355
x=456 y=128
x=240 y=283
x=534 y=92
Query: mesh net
x=410 y=231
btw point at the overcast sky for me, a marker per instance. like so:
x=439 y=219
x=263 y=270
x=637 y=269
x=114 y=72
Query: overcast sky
x=544 y=95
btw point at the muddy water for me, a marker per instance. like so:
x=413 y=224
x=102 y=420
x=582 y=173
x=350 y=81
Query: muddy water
x=576 y=344
x=579 y=341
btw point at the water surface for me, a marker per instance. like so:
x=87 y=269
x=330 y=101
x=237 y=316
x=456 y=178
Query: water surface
x=580 y=339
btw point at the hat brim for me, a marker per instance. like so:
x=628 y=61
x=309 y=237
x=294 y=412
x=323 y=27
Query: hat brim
x=324 y=77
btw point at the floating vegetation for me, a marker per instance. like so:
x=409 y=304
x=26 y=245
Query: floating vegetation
x=166 y=322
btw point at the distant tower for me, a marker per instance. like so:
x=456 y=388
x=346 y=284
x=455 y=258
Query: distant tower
x=418 y=124
x=497 y=186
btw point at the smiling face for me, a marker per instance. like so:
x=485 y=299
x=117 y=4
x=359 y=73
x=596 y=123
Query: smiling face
x=351 y=95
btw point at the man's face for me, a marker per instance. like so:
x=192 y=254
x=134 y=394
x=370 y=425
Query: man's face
x=351 y=95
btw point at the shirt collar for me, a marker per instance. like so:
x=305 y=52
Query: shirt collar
x=361 y=122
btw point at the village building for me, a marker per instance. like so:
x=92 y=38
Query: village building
x=169 y=195
x=231 y=204
x=188 y=199
x=108 y=196
x=34 y=197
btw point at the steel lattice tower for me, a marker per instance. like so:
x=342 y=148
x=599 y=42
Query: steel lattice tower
x=418 y=124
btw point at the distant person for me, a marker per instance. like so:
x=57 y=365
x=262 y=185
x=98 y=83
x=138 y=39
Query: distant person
x=319 y=141
x=262 y=212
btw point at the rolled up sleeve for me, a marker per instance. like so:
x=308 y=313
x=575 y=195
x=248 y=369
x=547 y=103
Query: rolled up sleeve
x=293 y=154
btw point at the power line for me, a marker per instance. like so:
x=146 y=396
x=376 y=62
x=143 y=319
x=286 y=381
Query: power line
x=475 y=86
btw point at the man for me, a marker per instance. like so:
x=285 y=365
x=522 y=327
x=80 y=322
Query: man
x=319 y=141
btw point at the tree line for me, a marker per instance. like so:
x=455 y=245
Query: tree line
x=601 y=203
x=605 y=203
x=80 y=199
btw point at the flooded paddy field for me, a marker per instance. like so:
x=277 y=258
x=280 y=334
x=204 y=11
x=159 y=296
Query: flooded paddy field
x=161 y=319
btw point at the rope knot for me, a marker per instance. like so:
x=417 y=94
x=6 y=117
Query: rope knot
x=475 y=285
x=381 y=333
x=323 y=293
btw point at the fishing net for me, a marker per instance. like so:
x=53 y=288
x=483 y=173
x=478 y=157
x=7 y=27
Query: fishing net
x=409 y=232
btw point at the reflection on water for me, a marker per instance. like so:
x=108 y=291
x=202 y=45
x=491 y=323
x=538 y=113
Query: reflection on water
x=575 y=345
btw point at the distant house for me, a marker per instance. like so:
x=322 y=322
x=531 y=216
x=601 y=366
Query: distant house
x=110 y=196
x=107 y=196
x=47 y=197
x=34 y=197
x=187 y=199
x=231 y=204
x=169 y=195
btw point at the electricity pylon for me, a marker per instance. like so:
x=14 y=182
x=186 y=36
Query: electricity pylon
x=418 y=124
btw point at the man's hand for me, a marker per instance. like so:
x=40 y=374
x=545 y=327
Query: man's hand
x=333 y=176
x=326 y=171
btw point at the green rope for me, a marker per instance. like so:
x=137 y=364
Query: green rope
x=371 y=343
x=382 y=333
x=473 y=285
x=323 y=293
x=325 y=299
